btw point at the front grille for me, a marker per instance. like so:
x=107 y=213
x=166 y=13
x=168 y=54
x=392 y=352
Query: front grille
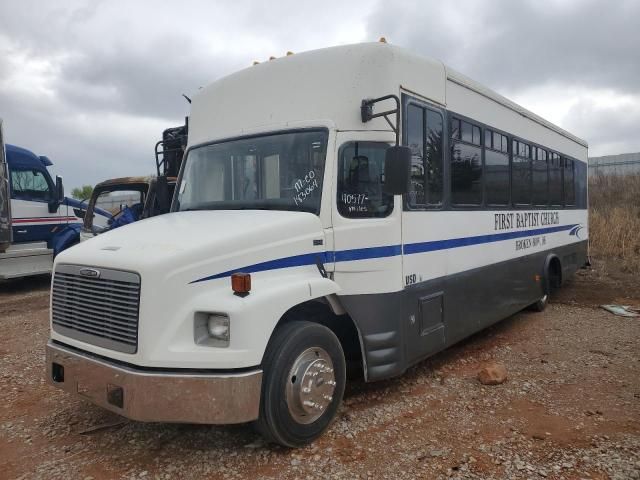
x=101 y=309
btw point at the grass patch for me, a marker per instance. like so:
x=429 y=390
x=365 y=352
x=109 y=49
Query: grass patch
x=614 y=219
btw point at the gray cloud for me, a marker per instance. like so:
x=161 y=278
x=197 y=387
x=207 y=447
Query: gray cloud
x=510 y=44
x=92 y=83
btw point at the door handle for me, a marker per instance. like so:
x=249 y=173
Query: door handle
x=21 y=231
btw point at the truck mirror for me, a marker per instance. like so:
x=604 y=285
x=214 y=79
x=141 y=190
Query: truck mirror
x=59 y=189
x=58 y=197
x=397 y=164
x=162 y=194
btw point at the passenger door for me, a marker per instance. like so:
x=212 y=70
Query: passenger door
x=31 y=192
x=5 y=204
x=424 y=263
x=366 y=223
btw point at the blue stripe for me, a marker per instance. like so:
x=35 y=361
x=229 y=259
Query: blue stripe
x=432 y=246
x=286 y=262
x=382 y=252
x=365 y=253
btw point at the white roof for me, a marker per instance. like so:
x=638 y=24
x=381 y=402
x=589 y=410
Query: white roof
x=324 y=88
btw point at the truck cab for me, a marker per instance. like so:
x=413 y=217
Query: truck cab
x=124 y=200
x=37 y=221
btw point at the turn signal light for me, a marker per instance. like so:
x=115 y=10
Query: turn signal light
x=241 y=284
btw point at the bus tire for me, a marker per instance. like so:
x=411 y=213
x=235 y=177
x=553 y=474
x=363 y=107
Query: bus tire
x=302 y=385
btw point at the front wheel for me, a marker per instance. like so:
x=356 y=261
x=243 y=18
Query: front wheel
x=302 y=385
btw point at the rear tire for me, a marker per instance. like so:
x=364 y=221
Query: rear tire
x=302 y=385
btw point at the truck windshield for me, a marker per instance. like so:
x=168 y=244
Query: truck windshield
x=275 y=172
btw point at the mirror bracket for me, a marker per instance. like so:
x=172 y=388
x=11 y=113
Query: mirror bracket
x=366 y=113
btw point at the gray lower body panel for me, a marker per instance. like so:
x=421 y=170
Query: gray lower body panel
x=401 y=328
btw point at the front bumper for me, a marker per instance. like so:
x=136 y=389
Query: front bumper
x=152 y=396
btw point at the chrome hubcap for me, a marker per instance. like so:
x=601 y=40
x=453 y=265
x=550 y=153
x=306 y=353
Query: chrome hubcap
x=310 y=385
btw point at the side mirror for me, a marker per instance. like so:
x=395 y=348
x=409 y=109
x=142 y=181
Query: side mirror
x=162 y=194
x=58 y=196
x=397 y=164
x=59 y=189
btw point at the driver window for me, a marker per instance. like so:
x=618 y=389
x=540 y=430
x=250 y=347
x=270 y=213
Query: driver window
x=30 y=185
x=361 y=181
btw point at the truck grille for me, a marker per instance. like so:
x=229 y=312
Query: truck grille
x=97 y=306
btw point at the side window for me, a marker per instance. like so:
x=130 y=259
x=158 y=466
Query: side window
x=424 y=138
x=540 y=177
x=555 y=180
x=415 y=141
x=569 y=186
x=360 y=181
x=521 y=173
x=30 y=185
x=496 y=168
x=466 y=164
x=580 y=171
x=435 y=157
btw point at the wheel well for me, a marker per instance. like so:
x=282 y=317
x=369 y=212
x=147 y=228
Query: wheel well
x=554 y=271
x=319 y=311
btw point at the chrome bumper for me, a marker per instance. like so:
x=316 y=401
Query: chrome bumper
x=152 y=396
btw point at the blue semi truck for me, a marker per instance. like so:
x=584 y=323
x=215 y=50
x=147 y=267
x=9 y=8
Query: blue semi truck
x=36 y=220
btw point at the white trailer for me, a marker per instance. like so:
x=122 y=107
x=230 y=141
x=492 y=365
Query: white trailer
x=301 y=241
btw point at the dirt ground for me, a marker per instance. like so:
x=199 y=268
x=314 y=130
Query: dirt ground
x=570 y=408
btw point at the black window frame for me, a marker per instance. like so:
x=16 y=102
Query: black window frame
x=451 y=118
x=455 y=117
x=343 y=146
x=408 y=100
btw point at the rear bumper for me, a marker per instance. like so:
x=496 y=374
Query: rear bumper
x=152 y=396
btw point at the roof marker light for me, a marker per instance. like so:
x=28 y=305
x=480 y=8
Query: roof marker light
x=289 y=53
x=382 y=40
x=272 y=58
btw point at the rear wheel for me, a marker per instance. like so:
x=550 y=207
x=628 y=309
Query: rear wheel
x=303 y=383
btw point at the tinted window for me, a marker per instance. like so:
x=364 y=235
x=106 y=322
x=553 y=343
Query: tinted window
x=580 y=170
x=521 y=174
x=425 y=142
x=555 y=180
x=29 y=185
x=466 y=170
x=496 y=170
x=360 y=181
x=455 y=128
x=415 y=141
x=540 y=177
x=569 y=187
x=435 y=156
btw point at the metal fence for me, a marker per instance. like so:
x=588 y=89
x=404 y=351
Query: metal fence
x=623 y=164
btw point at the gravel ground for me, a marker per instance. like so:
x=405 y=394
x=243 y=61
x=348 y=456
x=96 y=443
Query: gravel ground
x=570 y=408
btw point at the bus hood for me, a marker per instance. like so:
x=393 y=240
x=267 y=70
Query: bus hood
x=204 y=245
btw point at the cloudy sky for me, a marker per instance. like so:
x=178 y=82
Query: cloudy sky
x=92 y=84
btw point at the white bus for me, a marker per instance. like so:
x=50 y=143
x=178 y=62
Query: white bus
x=302 y=241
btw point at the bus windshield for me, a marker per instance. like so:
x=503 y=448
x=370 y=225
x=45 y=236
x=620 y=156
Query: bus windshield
x=281 y=171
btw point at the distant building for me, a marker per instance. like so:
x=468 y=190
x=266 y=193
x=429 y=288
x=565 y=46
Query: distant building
x=623 y=164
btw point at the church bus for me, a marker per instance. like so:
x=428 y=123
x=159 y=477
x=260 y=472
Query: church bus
x=356 y=206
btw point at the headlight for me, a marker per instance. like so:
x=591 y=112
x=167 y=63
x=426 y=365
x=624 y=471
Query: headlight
x=212 y=329
x=218 y=327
